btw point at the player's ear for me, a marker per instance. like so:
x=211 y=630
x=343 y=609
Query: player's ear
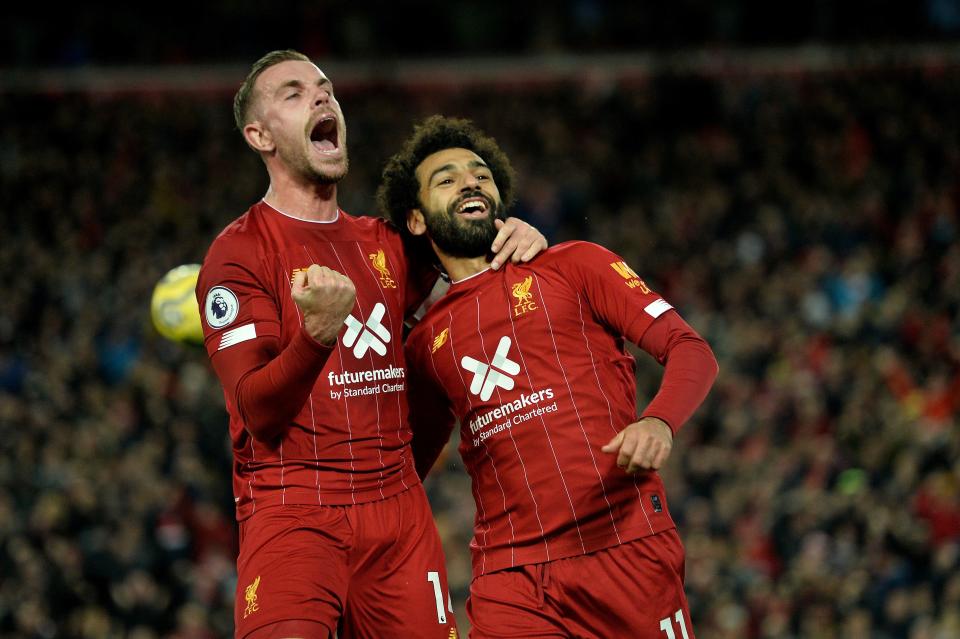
x=415 y=222
x=258 y=137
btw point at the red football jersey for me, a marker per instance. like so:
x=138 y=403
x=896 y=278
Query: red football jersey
x=531 y=360
x=349 y=439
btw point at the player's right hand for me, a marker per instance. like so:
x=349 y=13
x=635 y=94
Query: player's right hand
x=643 y=445
x=326 y=297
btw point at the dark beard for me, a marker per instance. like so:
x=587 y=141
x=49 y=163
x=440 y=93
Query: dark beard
x=458 y=237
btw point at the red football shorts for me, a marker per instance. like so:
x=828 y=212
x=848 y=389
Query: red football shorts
x=632 y=590
x=370 y=570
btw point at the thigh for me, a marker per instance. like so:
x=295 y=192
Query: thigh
x=291 y=572
x=637 y=585
x=510 y=604
x=398 y=582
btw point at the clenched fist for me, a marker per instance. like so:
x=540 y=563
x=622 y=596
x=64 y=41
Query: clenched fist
x=326 y=297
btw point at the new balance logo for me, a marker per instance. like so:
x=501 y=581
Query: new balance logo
x=497 y=373
x=371 y=335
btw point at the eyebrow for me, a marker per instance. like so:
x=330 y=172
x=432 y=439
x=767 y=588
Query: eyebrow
x=473 y=164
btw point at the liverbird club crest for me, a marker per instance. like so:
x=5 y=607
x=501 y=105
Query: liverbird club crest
x=250 y=594
x=440 y=340
x=521 y=291
x=379 y=261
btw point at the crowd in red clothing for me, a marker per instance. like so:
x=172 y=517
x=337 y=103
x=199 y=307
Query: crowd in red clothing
x=807 y=227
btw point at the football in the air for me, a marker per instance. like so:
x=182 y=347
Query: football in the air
x=173 y=306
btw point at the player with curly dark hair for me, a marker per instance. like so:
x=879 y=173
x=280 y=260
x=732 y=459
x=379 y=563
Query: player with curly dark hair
x=573 y=536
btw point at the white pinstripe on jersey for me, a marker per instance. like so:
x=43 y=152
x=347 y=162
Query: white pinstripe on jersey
x=376 y=398
x=613 y=427
x=486 y=451
x=253 y=477
x=313 y=419
x=573 y=401
x=397 y=346
x=283 y=487
x=346 y=404
x=523 y=466
x=543 y=422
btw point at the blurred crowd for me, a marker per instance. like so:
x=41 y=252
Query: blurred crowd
x=807 y=226
x=225 y=32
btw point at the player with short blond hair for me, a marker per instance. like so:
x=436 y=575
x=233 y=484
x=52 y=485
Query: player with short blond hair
x=304 y=309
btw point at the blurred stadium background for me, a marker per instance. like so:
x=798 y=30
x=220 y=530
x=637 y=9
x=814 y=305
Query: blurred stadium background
x=787 y=174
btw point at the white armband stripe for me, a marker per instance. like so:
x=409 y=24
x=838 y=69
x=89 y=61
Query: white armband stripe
x=657 y=308
x=237 y=335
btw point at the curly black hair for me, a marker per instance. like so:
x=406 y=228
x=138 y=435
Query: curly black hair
x=399 y=190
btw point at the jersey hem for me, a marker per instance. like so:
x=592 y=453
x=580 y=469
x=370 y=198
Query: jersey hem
x=310 y=497
x=487 y=561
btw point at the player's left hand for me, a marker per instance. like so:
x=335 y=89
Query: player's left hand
x=516 y=241
x=642 y=445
